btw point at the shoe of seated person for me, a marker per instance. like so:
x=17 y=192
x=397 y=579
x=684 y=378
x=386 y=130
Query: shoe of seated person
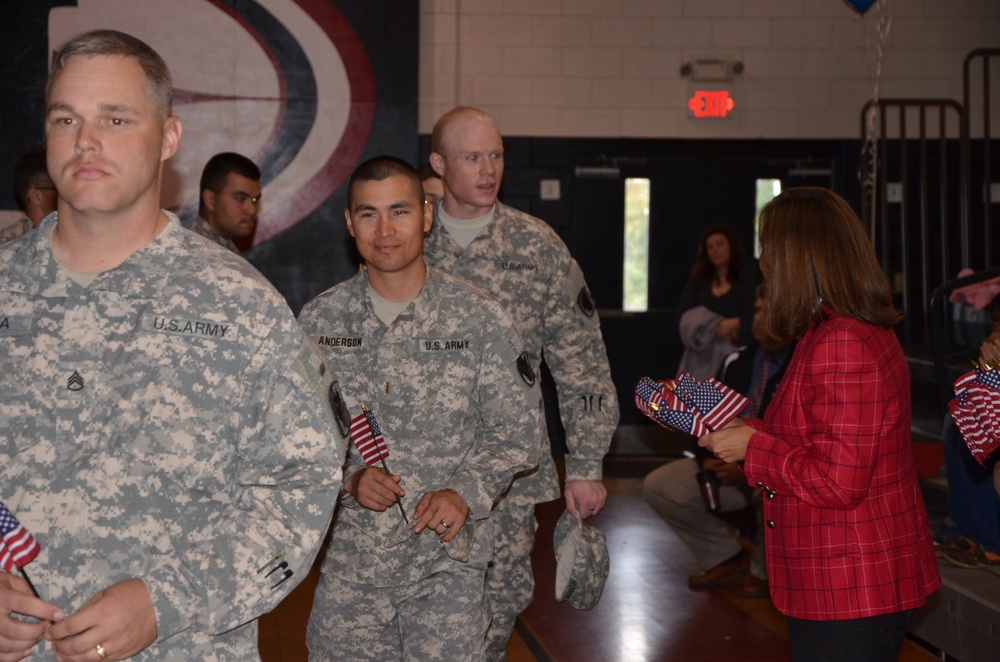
x=990 y=563
x=735 y=567
x=754 y=587
x=961 y=552
x=990 y=566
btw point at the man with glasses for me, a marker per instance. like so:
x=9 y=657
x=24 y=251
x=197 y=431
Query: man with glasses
x=35 y=193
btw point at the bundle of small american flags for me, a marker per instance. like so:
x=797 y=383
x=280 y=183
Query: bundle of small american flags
x=976 y=410
x=687 y=405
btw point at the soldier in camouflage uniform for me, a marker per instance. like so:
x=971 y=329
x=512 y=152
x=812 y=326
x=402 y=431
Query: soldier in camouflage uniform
x=440 y=365
x=35 y=194
x=162 y=426
x=229 y=199
x=521 y=261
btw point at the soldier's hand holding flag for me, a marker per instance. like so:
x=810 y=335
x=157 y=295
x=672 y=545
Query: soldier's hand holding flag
x=374 y=487
x=17 y=548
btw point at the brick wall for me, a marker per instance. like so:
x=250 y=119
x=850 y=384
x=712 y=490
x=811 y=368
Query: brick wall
x=611 y=68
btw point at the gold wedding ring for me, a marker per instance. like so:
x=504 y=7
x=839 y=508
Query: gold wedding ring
x=101 y=652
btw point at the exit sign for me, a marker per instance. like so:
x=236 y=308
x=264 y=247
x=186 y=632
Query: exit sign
x=711 y=103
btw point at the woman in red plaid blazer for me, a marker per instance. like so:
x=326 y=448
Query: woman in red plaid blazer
x=849 y=550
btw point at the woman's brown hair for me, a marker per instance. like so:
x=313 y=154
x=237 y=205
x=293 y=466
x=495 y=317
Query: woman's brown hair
x=813 y=247
x=704 y=271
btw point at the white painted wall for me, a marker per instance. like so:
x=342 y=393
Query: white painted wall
x=611 y=68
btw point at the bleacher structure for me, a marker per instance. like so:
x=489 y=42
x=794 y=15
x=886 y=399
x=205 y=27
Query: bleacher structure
x=929 y=208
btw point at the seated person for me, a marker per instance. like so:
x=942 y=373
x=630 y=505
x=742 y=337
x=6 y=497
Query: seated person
x=973 y=502
x=673 y=491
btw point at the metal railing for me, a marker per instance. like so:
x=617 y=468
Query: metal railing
x=918 y=200
x=983 y=158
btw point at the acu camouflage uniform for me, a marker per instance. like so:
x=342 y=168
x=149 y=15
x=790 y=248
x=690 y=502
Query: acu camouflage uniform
x=199 y=225
x=167 y=423
x=15 y=230
x=458 y=412
x=521 y=261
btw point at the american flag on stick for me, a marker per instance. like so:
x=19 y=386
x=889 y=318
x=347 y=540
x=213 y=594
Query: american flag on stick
x=367 y=436
x=17 y=546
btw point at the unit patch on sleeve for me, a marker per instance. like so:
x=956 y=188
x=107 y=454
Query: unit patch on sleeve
x=525 y=370
x=339 y=408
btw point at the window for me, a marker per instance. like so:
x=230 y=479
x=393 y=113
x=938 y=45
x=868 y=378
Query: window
x=635 y=296
x=767 y=190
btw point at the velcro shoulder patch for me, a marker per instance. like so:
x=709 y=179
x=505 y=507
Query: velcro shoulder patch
x=15 y=325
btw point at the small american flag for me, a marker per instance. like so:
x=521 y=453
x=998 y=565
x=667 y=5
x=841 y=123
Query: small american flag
x=718 y=403
x=989 y=378
x=684 y=421
x=963 y=383
x=649 y=397
x=985 y=402
x=367 y=436
x=980 y=444
x=17 y=546
x=685 y=386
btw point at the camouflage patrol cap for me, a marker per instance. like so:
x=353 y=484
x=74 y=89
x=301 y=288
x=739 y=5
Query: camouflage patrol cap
x=581 y=562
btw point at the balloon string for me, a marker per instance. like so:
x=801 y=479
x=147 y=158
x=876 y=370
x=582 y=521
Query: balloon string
x=869 y=150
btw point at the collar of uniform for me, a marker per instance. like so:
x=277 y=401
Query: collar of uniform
x=209 y=230
x=418 y=305
x=142 y=275
x=439 y=239
x=207 y=227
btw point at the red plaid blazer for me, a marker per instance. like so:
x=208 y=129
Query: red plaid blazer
x=846 y=529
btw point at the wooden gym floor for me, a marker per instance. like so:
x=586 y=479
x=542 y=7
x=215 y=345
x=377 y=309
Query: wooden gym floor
x=647 y=612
